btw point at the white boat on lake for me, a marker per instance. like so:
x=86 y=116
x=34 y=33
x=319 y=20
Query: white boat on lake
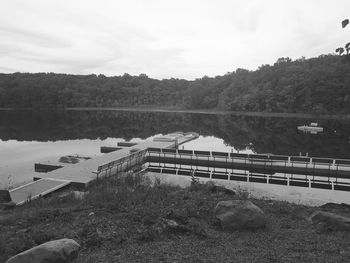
x=312 y=128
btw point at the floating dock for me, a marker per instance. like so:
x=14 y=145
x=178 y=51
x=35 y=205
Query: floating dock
x=314 y=172
x=109 y=149
x=83 y=173
x=161 y=155
x=36 y=189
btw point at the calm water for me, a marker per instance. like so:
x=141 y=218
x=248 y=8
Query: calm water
x=27 y=137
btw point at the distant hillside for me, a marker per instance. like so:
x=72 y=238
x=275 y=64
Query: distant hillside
x=317 y=85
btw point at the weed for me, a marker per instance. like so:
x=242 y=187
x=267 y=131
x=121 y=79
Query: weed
x=195 y=184
x=90 y=235
x=9 y=182
x=242 y=193
x=41 y=236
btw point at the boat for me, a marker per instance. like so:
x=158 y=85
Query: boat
x=312 y=128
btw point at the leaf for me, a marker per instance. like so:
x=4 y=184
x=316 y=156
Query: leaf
x=344 y=23
x=340 y=50
x=347 y=45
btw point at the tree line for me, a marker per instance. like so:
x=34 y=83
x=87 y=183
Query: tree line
x=317 y=85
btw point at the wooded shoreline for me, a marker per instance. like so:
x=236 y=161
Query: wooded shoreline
x=197 y=111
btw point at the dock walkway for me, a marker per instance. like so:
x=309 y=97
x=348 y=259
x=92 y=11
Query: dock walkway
x=81 y=174
x=303 y=171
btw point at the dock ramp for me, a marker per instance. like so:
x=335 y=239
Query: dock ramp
x=36 y=189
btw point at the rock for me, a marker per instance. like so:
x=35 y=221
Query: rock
x=330 y=221
x=172 y=226
x=222 y=189
x=239 y=214
x=212 y=187
x=69 y=159
x=56 y=251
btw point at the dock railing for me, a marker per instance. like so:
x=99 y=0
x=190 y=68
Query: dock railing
x=314 y=172
x=122 y=164
x=325 y=173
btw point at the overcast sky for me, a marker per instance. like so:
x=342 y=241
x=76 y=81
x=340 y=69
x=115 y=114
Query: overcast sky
x=165 y=38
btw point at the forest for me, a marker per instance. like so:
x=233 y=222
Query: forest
x=318 y=85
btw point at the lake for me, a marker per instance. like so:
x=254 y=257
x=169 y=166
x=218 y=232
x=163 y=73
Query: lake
x=27 y=137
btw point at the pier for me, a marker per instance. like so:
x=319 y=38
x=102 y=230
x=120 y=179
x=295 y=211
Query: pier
x=82 y=174
x=324 y=173
x=161 y=155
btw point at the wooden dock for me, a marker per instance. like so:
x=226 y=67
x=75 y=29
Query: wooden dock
x=81 y=174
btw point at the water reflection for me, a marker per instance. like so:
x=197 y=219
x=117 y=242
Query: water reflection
x=27 y=137
x=262 y=135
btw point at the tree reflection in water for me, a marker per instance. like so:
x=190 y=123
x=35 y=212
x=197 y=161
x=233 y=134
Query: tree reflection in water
x=262 y=134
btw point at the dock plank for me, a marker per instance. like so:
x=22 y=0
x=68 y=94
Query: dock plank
x=36 y=189
x=81 y=174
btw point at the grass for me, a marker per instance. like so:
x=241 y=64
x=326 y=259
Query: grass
x=115 y=222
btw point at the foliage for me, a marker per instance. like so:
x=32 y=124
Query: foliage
x=317 y=85
x=341 y=50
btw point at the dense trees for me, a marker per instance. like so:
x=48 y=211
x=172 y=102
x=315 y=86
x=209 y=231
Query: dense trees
x=319 y=85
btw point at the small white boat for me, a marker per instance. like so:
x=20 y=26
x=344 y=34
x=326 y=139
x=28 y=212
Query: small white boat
x=312 y=128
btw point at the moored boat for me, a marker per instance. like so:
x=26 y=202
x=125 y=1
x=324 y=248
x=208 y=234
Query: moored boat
x=312 y=128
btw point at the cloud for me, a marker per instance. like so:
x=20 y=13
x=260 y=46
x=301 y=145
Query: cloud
x=29 y=36
x=164 y=38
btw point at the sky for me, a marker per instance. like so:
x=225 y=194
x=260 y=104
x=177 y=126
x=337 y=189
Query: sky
x=165 y=38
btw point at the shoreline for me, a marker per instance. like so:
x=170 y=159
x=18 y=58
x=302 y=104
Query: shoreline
x=120 y=218
x=196 y=111
x=217 y=112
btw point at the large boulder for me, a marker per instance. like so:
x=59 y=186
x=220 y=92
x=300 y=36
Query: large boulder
x=239 y=214
x=56 y=251
x=330 y=221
